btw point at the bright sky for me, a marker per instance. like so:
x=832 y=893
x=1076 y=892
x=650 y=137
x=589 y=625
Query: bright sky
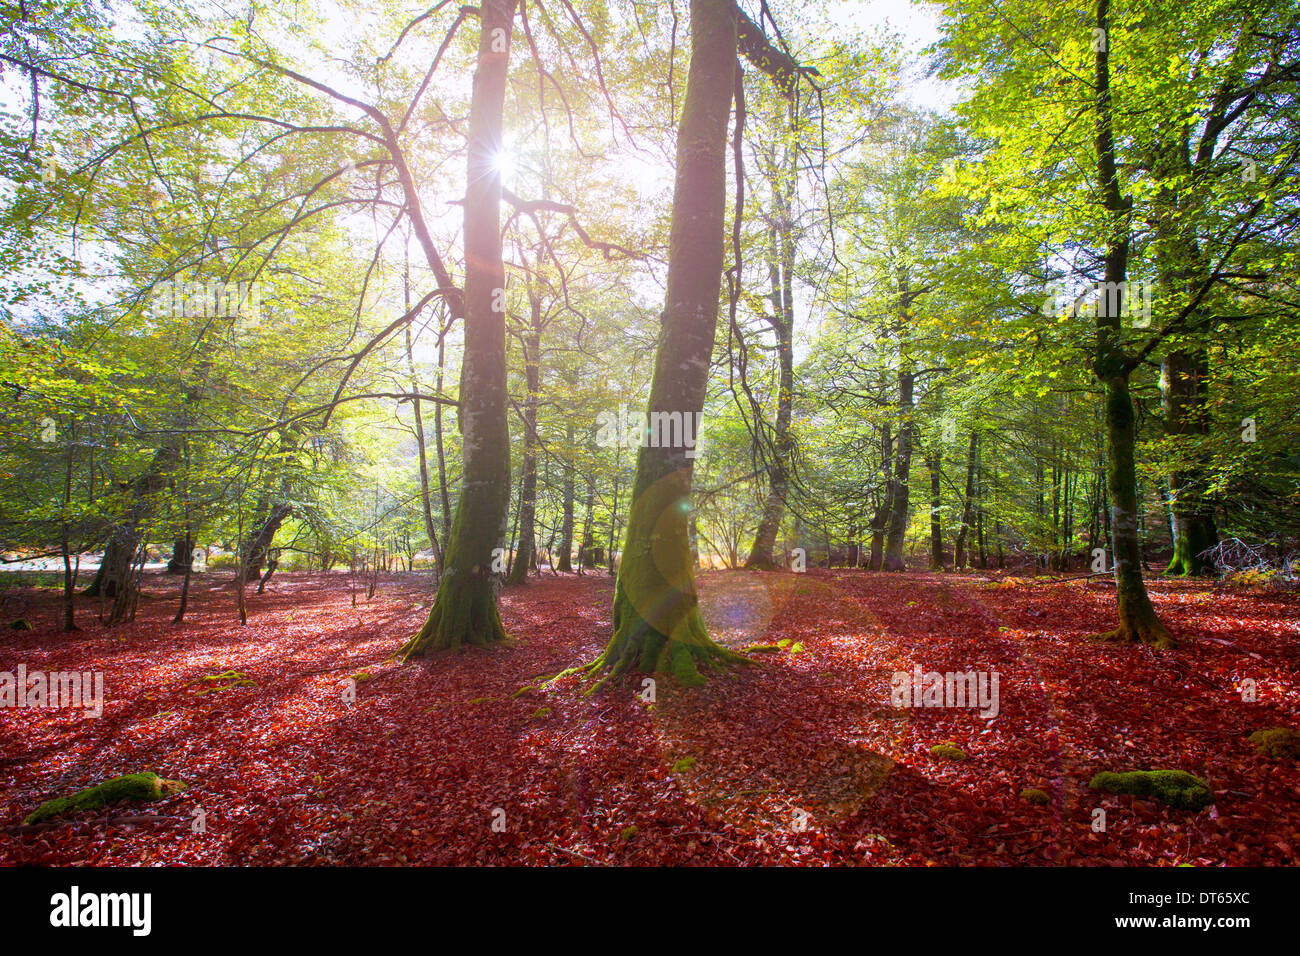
x=918 y=24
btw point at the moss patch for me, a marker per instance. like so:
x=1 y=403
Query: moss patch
x=1280 y=743
x=949 y=751
x=1176 y=788
x=131 y=786
x=628 y=833
x=22 y=624
x=686 y=763
x=223 y=681
x=1038 y=798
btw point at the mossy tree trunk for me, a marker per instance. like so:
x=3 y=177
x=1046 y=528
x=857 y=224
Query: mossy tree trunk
x=464 y=610
x=1138 y=622
x=1184 y=378
x=657 y=624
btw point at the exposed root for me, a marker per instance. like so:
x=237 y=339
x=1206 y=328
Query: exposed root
x=1152 y=633
x=464 y=614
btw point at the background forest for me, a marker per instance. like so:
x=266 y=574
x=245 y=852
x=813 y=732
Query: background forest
x=335 y=336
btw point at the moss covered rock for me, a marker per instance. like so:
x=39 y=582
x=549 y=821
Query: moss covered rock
x=949 y=751
x=1035 y=796
x=1280 y=743
x=131 y=786
x=1176 y=788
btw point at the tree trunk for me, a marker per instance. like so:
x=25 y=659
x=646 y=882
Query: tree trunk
x=426 y=505
x=900 y=495
x=1183 y=378
x=182 y=558
x=1137 y=616
x=588 y=542
x=124 y=538
x=65 y=538
x=528 y=493
x=566 y=526
x=936 y=514
x=272 y=562
x=464 y=610
x=880 y=518
x=781 y=274
x=255 y=549
x=443 y=494
x=657 y=624
x=968 y=508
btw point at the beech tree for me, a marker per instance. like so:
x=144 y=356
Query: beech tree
x=657 y=624
x=465 y=608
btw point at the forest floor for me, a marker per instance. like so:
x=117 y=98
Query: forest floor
x=799 y=760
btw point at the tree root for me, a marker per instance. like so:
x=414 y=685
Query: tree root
x=462 y=614
x=1152 y=633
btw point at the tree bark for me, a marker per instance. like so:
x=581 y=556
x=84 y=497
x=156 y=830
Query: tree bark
x=255 y=549
x=781 y=275
x=934 y=462
x=901 y=492
x=426 y=505
x=657 y=624
x=1183 y=377
x=1137 y=617
x=570 y=490
x=526 y=550
x=880 y=518
x=464 y=610
x=182 y=558
x=65 y=537
x=124 y=538
x=968 y=507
